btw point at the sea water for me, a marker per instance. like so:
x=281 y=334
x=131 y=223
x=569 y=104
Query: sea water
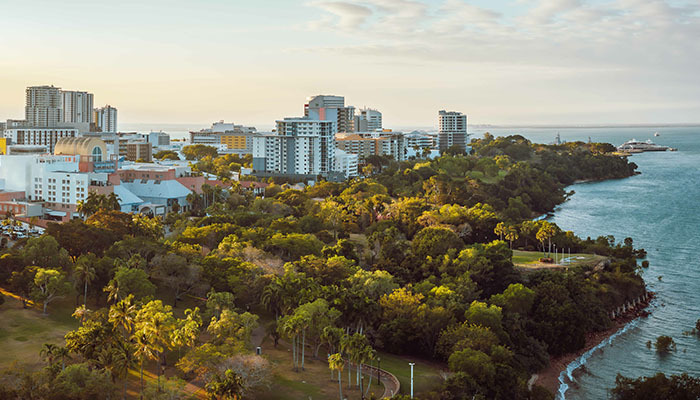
x=660 y=210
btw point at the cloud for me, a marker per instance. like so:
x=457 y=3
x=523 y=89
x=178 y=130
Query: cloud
x=347 y=15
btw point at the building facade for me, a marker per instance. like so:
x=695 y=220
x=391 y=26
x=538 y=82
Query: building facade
x=452 y=130
x=77 y=107
x=346 y=163
x=43 y=106
x=139 y=151
x=105 y=119
x=331 y=108
x=380 y=143
x=39 y=136
x=368 y=120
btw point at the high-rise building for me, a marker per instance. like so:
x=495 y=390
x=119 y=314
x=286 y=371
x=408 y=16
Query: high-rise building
x=105 y=118
x=452 y=130
x=368 y=120
x=43 y=106
x=331 y=108
x=301 y=146
x=378 y=143
x=77 y=107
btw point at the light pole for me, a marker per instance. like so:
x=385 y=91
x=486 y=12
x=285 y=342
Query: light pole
x=411 y=364
x=379 y=369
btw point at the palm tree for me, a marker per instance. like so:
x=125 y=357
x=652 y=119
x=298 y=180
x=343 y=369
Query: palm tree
x=146 y=348
x=123 y=313
x=85 y=271
x=80 y=313
x=228 y=386
x=62 y=353
x=112 y=202
x=512 y=235
x=48 y=352
x=500 y=230
x=124 y=360
x=546 y=232
x=336 y=363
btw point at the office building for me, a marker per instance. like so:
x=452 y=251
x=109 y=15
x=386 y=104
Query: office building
x=158 y=139
x=368 y=120
x=77 y=107
x=43 y=106
x=234 y=138
x=452 y=130
x=105 y=119
x=331 y=108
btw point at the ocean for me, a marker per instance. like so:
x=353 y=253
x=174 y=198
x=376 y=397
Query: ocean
x=660 y=210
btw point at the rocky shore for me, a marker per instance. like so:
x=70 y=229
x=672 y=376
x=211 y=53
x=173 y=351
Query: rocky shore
x=549 y=377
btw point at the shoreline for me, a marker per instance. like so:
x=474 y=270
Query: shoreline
x=549 y=377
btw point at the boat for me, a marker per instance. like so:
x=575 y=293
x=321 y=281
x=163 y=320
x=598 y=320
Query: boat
x=635 y=146
x=656 y=134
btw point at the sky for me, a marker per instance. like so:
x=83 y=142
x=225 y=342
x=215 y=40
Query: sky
x=255 y=61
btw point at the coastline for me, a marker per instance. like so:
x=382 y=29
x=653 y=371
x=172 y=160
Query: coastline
x=549 y=377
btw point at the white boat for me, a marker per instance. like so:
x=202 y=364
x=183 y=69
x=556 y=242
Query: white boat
x=635 y=146
x=656 y=134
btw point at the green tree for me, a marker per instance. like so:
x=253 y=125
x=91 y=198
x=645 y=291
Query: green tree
x=225 y=386
x=659 y=386
x=49 y=285
x=336 y=363
x=128 y=281
x=124 y=360
x=85 y=271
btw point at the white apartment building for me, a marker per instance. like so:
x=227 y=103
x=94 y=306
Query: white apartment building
x=368 y=120
x=105 y=118
x=331 y=108
x=377 y=143
x=39 y=136
x=346 y=163
x=43 y=106
x=452 y=130
x=419 y=140
x=77 y=107
x=287 y=155
x=324 y=130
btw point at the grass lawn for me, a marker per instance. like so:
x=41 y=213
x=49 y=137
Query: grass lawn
x=313 y=383
x=530 y=259
x=426 y=374
x=24 y=331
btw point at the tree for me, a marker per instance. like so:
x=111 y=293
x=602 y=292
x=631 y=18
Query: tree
x=124 y=359
x=511 y=235
x=176 y=273
x=45 y=252
x=85 y=271
x=187 y=330
x=49 y=285
x=225 y=386
x=664 y=344
x=334 y=214
x=128 y=281
x=500 y=230
x=156 y=322
x=546 y=232
x=22 y=283
x=122 y=314
x=336 y=363
x=659 y=386
x=146 y=348
x=78 y=381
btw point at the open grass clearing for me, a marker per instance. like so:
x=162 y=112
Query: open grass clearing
x=531 y=260
x=426 y=374
x=23 y=332
x=313 y=383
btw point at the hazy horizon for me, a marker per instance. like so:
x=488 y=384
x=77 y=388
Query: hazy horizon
x=508 y=62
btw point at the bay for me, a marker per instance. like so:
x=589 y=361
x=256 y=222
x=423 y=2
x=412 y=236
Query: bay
x=660 y=210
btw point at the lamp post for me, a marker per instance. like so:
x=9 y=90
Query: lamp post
x=411 y=364
x=379 y=369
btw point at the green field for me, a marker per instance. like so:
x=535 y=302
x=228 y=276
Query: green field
x=24 y=331
x=530 y=259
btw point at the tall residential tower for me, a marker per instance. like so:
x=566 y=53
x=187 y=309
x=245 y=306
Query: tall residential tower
x=77 y=106
x=43 y=106
x=452 y=130
x=106 y=118
x=331 y=108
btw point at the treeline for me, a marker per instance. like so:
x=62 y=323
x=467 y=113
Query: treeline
x=415 y=259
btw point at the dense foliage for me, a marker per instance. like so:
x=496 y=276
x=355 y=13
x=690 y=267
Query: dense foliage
x=414 y=259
